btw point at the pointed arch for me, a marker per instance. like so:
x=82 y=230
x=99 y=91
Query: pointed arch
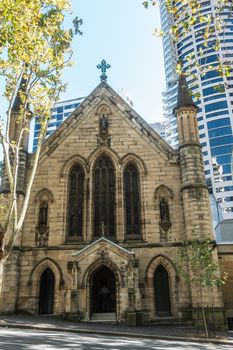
x=44 y=198
x=171 y=278
x=103 y=151
x=132 y=200
x=77 y=159
x=163 y=260
x=163 y=190
x=163 y=205
x=40 y=266
x=104 y=196
x=97 y=265
x=133 y=158
x=44 y=193
x=103 y=108
x=75 y=204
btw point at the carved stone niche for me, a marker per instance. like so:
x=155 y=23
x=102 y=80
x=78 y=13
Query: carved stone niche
x=71 y=265
x=165 y=225
x=103 y=137
x=43 y=198
x=42 y=236
x=163 y=197
x=164 y=234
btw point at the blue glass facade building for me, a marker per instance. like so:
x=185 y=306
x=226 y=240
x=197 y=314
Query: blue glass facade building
x=215 y=116
x=61 y=111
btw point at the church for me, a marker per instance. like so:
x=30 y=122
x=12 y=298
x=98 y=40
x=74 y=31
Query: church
x=110 y=206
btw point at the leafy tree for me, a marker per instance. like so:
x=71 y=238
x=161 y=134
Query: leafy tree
x=34 y=50
x=185 y=15
x=199 y=268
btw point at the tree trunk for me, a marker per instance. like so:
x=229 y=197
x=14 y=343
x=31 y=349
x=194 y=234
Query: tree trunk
x=1 y=242
x=204 y=321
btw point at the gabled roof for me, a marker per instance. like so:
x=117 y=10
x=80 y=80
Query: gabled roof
x=96 y=244
x=104 y=91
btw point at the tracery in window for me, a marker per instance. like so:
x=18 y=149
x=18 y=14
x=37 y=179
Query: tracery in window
x=132 y=200
x=104 y=197
x=75 y=201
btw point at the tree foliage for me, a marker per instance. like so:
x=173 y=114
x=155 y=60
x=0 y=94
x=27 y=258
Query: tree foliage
x=35 y=47
x=203 y=270
x=199 y=269
x=188 y=17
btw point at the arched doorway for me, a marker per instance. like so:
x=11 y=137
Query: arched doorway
x=103 y=291
x=46 y=294
x=162 y=292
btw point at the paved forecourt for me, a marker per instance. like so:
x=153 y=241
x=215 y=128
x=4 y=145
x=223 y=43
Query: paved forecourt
x=32 y=340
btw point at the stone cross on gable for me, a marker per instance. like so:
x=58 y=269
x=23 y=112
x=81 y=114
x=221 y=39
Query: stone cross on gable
x=103 y=66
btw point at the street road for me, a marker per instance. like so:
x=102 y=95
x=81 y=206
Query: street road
x=16 y=339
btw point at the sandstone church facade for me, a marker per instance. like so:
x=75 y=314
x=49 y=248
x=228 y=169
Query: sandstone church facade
x=110 y=205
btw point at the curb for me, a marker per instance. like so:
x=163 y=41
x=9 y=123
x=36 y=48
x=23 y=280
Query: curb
x=117 y=334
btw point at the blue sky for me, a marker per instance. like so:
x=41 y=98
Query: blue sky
x=122 y=33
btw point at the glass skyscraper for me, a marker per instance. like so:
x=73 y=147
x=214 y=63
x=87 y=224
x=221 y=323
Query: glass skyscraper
x=215 y=116
x=61 y=111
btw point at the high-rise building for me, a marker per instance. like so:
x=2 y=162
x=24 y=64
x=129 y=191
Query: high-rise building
x=61 y=111
x=159 y=127
x=215 y=117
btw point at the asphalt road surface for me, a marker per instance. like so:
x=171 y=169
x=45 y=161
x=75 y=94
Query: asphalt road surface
x=16 y=339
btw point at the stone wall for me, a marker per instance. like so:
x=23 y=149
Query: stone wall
x=128 y=139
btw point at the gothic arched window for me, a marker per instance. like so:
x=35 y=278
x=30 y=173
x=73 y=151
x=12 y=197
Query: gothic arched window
x=75 y=201
x=132 y=200
x=104 y=197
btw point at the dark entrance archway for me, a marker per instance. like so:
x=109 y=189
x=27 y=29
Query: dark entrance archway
x=46 y=295
x=103 y=291
x=162 y=292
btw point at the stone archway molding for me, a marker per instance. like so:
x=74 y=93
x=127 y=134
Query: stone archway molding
x=163 y=190
x=103 y=151
x=98 y=264
x=135 y=159
x=43 y=191
x=163 y=260
x=77 y=159
x=41 y=266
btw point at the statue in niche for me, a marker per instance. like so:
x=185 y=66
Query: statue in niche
x=164 y=211
x=43 y=214
x=42 y=230
x=104 y=124
x=103 y=137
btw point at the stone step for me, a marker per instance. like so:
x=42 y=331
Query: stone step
x=104 y=317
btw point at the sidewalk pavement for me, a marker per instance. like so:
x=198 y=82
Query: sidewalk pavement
x=175 y=331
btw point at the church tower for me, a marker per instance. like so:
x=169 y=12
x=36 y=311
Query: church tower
x=197 y=215
x=194 y=189
x=16 y=125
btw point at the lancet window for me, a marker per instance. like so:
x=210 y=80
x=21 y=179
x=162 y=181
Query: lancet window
x=104 y=197
x=75 y=201
x=132 y=200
